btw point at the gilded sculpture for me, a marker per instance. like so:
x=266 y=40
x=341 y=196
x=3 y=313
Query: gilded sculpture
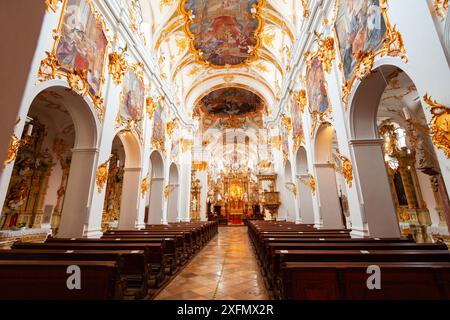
x=102 y=175
x=347 y=169
x=118 y=65
x=312 y=183
x=439 y=125
x=441 y=7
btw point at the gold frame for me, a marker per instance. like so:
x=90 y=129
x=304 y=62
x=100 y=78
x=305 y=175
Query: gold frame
x=214 y=117
x=298 y=100
x=130 y=124
x=50 y=68
x=197 y=53
x=316 y=116
x=392 y=45
x=159 y=144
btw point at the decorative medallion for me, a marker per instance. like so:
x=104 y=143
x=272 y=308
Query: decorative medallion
x=223 y=33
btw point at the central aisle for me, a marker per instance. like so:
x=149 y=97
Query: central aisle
x=226 y=269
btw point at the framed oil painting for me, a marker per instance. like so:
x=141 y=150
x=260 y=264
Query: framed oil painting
x=132 y=101
x=316 y=88
x=284 y=142
x=360 y=28
x=82 y=43
x=297 y=124
x=223 y=32
x=231 y=101
x=159 y=134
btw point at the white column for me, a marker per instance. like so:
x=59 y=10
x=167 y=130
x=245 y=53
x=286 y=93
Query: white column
x=185 y=187
x=130 y=197
x=172 y=206
x=328 y=197
x=305 y=199
x=75 y=217
x=203 y=176
x=375 y=192
x=156 y=200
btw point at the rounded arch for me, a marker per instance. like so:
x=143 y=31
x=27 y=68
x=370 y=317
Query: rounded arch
x=81 y=110
x=157 y=164
x=77 y=184
x=173 y=173
x=154 y=207
x=132 y=148
x=305 y=199
x=288 y=171
x=366 y=95
x=323 y=143
x=301 y=161
x=173 y=200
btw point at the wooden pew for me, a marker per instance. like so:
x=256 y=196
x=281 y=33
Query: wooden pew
x=132 y=264
x=348 y=281
x=47 y=280
x=154 y=252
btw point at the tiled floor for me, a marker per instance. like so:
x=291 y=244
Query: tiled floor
x=226 y=269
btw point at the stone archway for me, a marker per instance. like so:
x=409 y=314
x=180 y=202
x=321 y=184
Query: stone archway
x=70 y=140
x=327 y=193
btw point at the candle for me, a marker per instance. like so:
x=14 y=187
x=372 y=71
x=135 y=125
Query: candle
x=407 y=113
x=29 y=129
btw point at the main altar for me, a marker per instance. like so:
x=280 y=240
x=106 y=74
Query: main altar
x=234 y=195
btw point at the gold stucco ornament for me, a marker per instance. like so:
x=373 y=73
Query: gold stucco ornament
x=118 y=65
x=102 y=175
x=439 y=125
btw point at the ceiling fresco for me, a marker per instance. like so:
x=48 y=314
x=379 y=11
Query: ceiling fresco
x=231 y=101
x=224 y=32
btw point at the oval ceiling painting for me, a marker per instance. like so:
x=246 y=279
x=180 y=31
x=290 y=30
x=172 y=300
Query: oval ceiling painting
x=231 y=102
x=224 y=32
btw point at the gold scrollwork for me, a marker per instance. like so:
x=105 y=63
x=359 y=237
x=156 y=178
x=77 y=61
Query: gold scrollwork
x=306 y=12
x=150 y=107
x=200 y=165
x=326 y=53
x=144 y=187
x=292 y=188
x=186 y=145
x=392 y=46
x=441 y=7
x=14 y=145
x=301 y=99
x=52 y=4
x=118 y=65
x=312 y=183
x=287 y=121
x=347 y=169
x=439 y=125
x=102 y=175
x=167 y=190
x=276 y=142
x=171 y=126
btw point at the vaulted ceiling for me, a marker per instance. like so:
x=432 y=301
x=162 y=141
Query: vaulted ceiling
x=201 y=46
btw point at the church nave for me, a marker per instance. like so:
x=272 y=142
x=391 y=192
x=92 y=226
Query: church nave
x=226 y=269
